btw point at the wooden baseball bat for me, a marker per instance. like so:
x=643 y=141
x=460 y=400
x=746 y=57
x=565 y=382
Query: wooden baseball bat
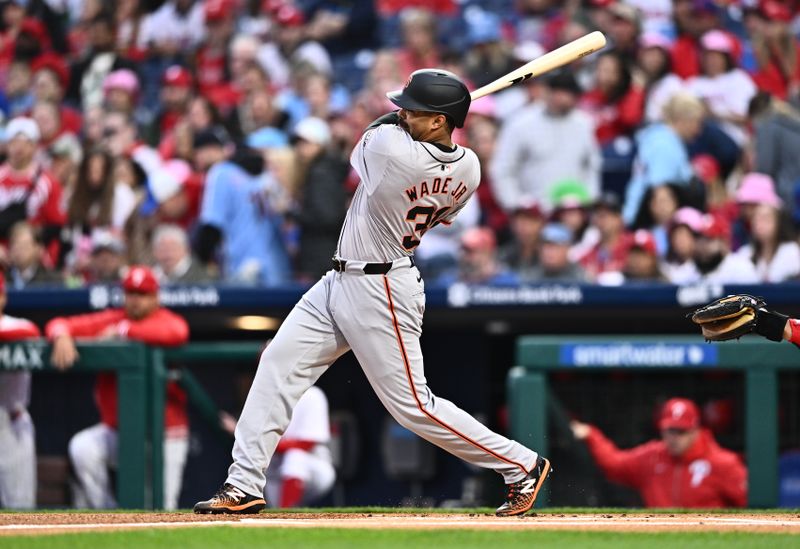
x=552 y=60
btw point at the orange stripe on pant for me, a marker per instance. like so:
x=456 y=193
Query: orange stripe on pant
x=414 y=389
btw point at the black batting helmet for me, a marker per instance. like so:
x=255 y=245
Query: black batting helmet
x=434 y=90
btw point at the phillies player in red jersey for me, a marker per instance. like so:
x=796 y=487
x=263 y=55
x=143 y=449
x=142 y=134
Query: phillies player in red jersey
x=18 y=459
x=686 y=468
x=94 y=449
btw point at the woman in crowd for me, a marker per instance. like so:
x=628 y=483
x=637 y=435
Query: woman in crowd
x=655 y=66
x=773 y=248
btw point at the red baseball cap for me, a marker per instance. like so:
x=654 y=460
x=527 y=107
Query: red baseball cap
x=679 y=413
x=715 y=226
x=217 y=10
x=140 y=279
x=775 y=10
x=642 y=240
x=289 y=16
x=178 y=76
x=55 y=63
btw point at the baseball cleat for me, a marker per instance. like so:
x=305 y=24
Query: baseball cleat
x=522 y=494
x=230 y=500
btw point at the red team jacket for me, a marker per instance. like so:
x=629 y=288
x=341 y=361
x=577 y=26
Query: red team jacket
x=706 y=476
x=163 y=327
x=16 y=329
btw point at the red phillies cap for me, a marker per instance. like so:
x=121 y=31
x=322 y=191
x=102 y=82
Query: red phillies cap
x=177 y=76
x=679 y=413
x=775 y=10
x=140 y=279
x=715 y=226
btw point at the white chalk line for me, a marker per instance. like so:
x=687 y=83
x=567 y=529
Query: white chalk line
x=592 y=522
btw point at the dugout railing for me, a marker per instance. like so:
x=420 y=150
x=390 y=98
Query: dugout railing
x=130 y=362
x=760 y=361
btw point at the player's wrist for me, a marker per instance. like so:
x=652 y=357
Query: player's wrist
x=771 y=325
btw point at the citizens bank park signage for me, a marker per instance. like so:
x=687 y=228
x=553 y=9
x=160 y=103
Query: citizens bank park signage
x=464 y=295
x=637 y=355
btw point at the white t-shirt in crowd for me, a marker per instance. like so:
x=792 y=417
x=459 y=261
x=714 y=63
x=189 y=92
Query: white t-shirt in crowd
x=785 y=264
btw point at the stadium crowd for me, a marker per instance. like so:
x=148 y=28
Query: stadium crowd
x=210 y=138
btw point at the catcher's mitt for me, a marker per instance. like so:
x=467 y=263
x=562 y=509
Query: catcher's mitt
x=729 y=317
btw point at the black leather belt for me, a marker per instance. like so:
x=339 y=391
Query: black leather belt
x=370 y=268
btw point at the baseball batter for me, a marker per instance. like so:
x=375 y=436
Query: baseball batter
x=413 y=177
x=18 y=459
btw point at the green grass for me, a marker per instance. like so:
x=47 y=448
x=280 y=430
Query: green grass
x=290 y=538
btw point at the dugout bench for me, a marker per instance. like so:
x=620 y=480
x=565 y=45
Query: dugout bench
x=760 y=361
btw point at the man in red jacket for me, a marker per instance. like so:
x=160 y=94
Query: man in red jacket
x=18 y=458
x=94 y=449
x=686 y=468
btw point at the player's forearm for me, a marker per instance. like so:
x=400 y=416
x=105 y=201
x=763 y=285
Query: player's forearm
x=791 y=332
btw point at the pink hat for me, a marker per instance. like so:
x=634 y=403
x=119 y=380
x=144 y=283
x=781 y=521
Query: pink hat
x=122 y=79
x=717 y=40
x=478 y=238
x=655 y=40
x=690 y=217
x=758 y=188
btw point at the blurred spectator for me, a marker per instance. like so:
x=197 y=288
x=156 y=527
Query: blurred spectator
x=714 y=260
x=662 y=156
x=606 y=259
x=301 y=471
x=616 y=102
x=684 y=230
x=174 y=263
x=773 y=248
x=626 y=24
x=725 y=88
x=693 y=18
x=93 y=451
x=90 y=70
x=177 y=86
x=641 y=258
x=17 y=90
x=754 y=189
x=685 y=468
x=571 y=201
x=323 y=201
x=656 y=67
x=47 y=118
x=129 y=16
x=554 y=262
x=176 y=27
x=776 y=49
x=121 y=138
x=521 y=254
x=776 y=141
x=420 y=48
x=29 y=192
x=478 y=263
x=211 y=58
x=659 y=204
x=530 y=155
x=50 y=82
x=97 y=200
x=488 y=56
x=107 y=259
x=66 y=155
x=292 y=45
x=258 y=118
x=236 y=213
x=121 y=91
x=17 y=435
x=26 y=259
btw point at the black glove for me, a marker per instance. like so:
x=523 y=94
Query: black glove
x=733 y=316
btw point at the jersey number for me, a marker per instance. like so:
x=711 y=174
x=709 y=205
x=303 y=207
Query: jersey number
x=423 y=218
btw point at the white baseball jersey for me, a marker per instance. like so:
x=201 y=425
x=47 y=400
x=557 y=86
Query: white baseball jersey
x=406 y=188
